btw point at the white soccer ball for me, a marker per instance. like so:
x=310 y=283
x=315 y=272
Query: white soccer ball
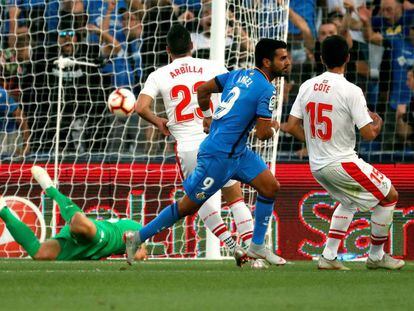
x=259 y=264
x=121 y=102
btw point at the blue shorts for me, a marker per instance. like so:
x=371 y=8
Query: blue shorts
x=213 y=172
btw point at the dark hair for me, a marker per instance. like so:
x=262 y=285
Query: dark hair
x=265 y=48
x=335 y=51
x=178 y=40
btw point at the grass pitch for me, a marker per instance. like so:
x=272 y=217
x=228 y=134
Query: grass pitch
x=199 y=285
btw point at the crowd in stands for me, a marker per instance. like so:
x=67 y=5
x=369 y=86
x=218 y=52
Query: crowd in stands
x=126 y=40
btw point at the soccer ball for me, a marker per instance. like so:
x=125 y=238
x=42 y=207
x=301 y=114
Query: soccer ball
x=121 y=102
x=259 y=264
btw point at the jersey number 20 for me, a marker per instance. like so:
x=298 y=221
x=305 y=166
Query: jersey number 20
x=317 y=118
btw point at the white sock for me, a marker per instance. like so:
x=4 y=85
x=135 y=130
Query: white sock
x=243 y=219
x=381 y=220
x=341 y=219
x=210 y=214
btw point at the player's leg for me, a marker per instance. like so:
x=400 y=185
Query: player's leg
x=80 y=226
x=66 y=206
x=49 y=250
x=21 y=233
x=164 y=220
x=333 y=181
x=253 y=171
x=380 y=195
x=209 y=176
x=341 y=219
x=210 y=211
x=381 y=220
x=233 y=195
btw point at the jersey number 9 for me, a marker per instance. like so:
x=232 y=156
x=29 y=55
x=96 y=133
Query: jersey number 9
x=227 y=103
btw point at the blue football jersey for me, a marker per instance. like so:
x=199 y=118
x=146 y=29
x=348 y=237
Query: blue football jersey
x=247 y=95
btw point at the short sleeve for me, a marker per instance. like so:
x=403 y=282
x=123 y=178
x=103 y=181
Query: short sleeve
x=151 y=86
x=296 y=110
x=221 y=80
x=359 y=110
x=267 y=103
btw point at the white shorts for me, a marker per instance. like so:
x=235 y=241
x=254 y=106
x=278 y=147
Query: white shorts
x=187 y=162
x=357 y=184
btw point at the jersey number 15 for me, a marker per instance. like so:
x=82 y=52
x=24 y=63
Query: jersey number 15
x=318 y=119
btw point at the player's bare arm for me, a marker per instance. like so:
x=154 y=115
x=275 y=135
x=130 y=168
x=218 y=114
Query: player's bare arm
x=294 y=127
x=266 y=128
x=203 y=96
x=372 y=130
x=143 y=108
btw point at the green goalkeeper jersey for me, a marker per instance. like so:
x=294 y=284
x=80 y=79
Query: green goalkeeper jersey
x=107 y=241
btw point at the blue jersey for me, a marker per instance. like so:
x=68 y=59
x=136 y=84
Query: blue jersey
x=397 y=39
x=247 y=95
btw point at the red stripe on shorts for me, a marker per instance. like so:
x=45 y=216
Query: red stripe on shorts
x=355 y=172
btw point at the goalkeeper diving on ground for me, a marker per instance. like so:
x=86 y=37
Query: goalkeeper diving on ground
x=81 y=238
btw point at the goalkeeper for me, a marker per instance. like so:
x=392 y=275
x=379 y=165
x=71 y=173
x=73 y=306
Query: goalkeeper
x=80 y=239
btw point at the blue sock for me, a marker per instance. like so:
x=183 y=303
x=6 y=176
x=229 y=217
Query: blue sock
x=165 y=219
x=262 y=215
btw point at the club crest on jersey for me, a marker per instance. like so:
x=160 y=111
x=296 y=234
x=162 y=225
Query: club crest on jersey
x=272 y=102
x=201 y=196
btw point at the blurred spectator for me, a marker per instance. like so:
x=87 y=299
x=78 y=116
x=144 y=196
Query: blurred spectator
x=126 y=59
x=236 y=42
x=29 y=13
x=306 y=9
x=14 y=129
x=300 y=23
x=394 y=30
x=408 y=5
x=301 y=51
x=158 y=18
x=344 y=13
x=127 y=71
x=132 y=29
x=73 y=12
x=83 y=99
x=357 y=70
x=405 y=119
x=325 y=30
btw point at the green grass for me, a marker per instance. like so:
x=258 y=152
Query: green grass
x=199 y=285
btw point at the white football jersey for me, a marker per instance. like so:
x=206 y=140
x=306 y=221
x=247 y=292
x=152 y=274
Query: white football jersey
x=330 y=107
x=178 y=83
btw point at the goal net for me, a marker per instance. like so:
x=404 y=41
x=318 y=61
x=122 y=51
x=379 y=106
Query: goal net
x=111 y=167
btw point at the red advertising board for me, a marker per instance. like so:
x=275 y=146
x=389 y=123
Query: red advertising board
x=302 y=211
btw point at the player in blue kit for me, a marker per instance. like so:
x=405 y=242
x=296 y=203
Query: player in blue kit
x=248 y=99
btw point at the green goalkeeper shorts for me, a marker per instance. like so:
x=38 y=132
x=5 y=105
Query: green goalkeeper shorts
x=107 y=241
